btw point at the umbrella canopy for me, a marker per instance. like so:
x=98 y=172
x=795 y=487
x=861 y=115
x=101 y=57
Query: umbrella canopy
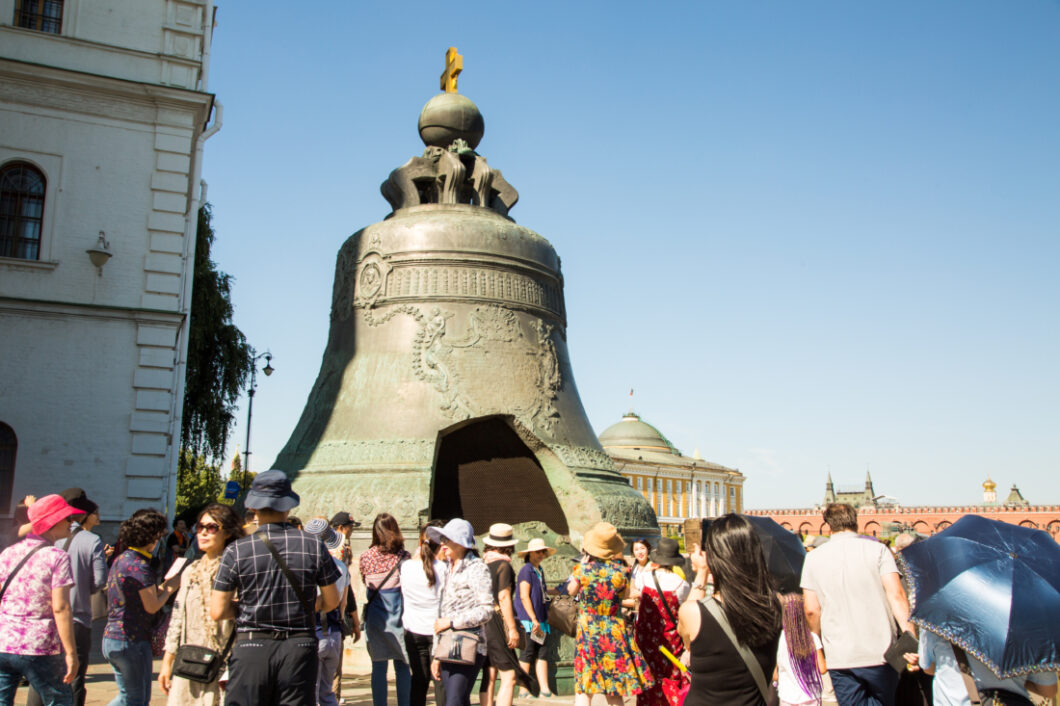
x=783 y=551
x=992 y=588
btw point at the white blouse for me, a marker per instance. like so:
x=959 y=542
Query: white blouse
x=421 y=601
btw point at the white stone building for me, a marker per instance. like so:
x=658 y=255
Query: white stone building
x=104 y=109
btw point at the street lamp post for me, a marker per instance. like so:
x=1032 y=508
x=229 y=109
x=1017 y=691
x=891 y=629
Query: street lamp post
x=268 y=370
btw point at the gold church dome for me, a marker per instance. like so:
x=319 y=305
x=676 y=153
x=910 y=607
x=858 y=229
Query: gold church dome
x=989 y=484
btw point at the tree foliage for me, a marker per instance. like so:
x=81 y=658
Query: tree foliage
x=219 y=357
x=198 y=483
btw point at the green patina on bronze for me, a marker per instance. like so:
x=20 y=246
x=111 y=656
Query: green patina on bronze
x=446 y=384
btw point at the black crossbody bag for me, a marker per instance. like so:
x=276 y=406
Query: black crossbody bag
x=204 y=664
x=197 y=663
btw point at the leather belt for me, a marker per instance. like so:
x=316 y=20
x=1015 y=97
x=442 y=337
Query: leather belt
x=273 y=635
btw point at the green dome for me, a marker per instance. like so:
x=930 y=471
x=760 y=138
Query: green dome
x=632 y=433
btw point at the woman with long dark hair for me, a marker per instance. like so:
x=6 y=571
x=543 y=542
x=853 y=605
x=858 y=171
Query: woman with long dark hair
x=383 y=608
x=215 y=528
x=421 y=591
x=745 y=600
x=800 y=659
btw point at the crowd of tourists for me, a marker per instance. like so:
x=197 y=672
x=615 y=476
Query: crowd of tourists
x=253 y=610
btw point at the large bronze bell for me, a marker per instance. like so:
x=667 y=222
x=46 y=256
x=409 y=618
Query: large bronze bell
x=446 y=387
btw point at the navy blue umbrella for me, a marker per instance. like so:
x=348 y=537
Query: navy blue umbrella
x=783 y=552
x=992 y=588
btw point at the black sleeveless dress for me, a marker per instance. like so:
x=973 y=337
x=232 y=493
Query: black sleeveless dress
x=719 y=675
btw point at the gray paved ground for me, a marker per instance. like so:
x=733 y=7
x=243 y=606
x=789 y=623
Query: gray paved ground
x=356 y=690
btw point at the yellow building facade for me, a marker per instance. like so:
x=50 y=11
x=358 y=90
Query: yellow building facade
x=677 y=487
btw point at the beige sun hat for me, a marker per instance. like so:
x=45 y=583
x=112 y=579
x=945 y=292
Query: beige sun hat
x=537 y=545
x=501 y=535
x=603 y=541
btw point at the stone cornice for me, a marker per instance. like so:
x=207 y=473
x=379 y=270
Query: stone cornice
x=60 y=43
x=648 y=468
x=42 y=308
x=92 y=94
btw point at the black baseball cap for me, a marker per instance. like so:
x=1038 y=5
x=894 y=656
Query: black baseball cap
x=342 y=519
x=76 y=497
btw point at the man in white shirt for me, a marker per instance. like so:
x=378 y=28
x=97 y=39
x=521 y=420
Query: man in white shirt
x=853 y=596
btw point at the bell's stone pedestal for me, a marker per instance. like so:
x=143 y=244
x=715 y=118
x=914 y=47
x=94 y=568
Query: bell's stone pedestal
x=446 y=387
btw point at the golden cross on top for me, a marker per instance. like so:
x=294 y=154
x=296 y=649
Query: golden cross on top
x=454 y=64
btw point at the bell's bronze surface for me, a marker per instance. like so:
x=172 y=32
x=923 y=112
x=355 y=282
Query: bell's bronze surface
x=446 y=386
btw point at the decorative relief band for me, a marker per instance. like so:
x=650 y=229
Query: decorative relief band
x=418 y=281
x=344 y=454
x=583 y=457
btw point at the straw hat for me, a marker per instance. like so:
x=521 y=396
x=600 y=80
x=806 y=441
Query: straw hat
x=537 y=545
x=501 y=535
x=603 y=541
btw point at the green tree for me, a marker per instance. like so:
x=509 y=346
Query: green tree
x=219 y=357
x=236 y=471
x=198 y=483
x=218 y=363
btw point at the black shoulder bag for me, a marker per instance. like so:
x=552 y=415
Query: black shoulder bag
x=197 y=663
x=373 y=593
x=18 y=567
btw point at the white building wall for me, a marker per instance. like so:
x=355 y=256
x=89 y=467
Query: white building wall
x=92 y=366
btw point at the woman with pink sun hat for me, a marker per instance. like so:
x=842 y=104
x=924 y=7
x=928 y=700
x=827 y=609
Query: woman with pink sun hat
x=36 y=622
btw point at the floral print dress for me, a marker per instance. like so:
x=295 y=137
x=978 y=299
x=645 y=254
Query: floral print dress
x=606 y=660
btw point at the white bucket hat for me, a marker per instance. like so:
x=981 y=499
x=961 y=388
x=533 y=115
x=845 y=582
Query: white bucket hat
x=456 y=530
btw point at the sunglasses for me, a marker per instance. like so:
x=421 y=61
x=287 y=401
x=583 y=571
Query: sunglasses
x=209 y=527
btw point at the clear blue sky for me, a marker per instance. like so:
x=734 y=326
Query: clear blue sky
x=812 y=236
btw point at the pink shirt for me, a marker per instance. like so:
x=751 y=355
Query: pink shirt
x=27 y=624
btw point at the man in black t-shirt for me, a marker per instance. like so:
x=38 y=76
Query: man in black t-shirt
x=502 y=634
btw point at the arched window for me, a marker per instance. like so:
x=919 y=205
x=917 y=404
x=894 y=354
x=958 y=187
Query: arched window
x=21 y=210
x=8 y=447
x=42 y=15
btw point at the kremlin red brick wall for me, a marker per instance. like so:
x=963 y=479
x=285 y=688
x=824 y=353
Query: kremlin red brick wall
x=926 y=519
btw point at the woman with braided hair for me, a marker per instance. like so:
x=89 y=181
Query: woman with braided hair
x=800 y=659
